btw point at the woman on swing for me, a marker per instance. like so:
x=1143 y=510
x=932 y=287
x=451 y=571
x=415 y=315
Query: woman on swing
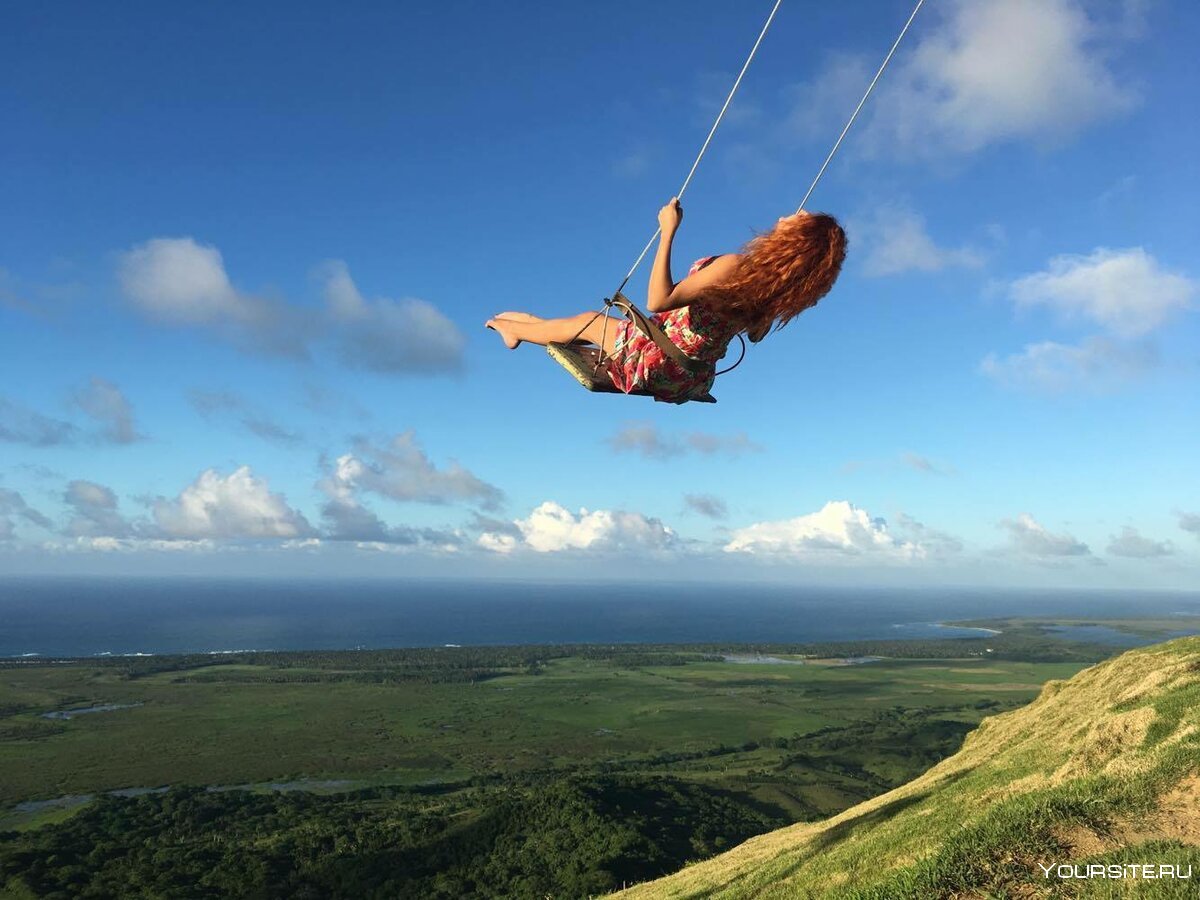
x=774 y=278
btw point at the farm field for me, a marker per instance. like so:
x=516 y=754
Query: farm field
x=338 y=717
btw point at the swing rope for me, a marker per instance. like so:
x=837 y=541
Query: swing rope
x=686 y=181
x=729 y=99
x=861 y=103
x=618 y=299
x=708 y=140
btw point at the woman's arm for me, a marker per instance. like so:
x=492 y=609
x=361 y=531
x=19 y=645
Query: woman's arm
x=664 y=293
x=661 y=282
x=692 y=287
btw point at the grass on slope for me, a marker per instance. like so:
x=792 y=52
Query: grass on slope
x=1098 y=768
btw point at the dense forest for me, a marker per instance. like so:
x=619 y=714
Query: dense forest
x=567 y=838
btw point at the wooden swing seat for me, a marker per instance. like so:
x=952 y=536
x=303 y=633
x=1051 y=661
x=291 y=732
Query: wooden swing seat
x=583 y=364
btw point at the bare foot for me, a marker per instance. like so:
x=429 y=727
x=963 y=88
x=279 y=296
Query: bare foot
x=504 y=328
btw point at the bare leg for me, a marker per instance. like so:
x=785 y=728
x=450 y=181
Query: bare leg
x=528 y=317
x=588 y=326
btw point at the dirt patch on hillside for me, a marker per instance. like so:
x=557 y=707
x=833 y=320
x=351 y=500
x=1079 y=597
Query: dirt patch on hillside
x=1175 y=817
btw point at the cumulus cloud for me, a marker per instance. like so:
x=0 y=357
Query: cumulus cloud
x=95 y=514
x=234 y=506
x=14 y=509
x=408 y=336
x=551 y=528
x=1189 y=522
x=346 y=519
x=20 y=425
x=401 y=470
x=179 y=281
x=933 y=543
x=1096 y=363
x=706 y=505
x=103 y=401
x=1127 y=292
x=645 y=439
x=1132 y=544
x=838 y=529
x=984 y=73
x=1028 y=537
x=344 y=516
x=228 y=405
x=896 y=241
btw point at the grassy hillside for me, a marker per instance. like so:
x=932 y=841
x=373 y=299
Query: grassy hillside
x=1102 y=768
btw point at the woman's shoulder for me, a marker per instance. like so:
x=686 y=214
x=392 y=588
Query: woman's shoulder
x=706 y=261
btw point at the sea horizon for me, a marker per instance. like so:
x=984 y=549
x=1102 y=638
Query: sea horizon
x=85 y=617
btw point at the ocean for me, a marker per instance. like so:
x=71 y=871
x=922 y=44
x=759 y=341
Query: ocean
x=87 y=617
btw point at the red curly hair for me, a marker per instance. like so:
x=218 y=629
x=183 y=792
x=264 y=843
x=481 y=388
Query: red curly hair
x=783 y=272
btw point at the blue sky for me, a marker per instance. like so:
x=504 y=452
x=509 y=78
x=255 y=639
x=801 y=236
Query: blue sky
x=246 y=251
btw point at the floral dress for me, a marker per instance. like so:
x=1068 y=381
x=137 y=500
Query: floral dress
x=638 y=364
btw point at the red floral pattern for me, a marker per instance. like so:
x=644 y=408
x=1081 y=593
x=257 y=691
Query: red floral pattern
x=701 y=332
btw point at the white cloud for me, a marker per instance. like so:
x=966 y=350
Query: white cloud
x=706 y=505
x=1027 y=536
x=1132 y=544
x=1037 y=70
x=95 y=512
x=550 y=528
x=1189 y=522
x=400 y=470
x=932 y=542
x=107 y=544
x=384 y=335
x=645 y=439
x=13 y=508
x=837 y=529
x=181 y=282
x=1126 y=292
x=1096 y=363
x=346 y=519
x=238 y=505
x=344 y=516
x=103 y=401
x=897 y=241
x=20 y=425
